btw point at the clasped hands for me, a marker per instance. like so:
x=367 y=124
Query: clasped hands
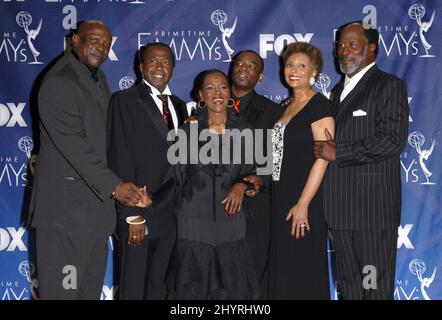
x=234 y=198
x=131 y=195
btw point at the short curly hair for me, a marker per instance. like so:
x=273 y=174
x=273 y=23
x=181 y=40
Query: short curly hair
x=311 y=51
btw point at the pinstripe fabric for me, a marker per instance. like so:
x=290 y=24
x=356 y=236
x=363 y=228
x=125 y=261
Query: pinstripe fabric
x=362 y=189
x=357 y=249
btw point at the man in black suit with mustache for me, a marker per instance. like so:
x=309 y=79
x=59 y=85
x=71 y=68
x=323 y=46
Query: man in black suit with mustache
x=140 y=119
x=72 y=207
x=362 y=187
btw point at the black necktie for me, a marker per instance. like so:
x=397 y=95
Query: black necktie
x=167 y=116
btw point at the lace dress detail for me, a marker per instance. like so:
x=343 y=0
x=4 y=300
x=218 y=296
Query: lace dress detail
x=277 y=148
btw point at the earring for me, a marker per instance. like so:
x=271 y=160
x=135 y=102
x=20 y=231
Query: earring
x=230 y=105
x=312 y=81
x=202 y=105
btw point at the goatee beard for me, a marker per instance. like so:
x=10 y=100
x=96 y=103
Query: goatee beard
x=356 y=65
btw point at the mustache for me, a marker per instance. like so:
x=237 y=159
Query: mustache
x=98 y=55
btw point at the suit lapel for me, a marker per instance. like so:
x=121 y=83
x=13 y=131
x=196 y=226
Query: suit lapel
x=148 y=105
x=344 y=104
x=336 y=94
x=180 y=109
x=107 y=93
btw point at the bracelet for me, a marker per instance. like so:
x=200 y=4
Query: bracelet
x=130 y=219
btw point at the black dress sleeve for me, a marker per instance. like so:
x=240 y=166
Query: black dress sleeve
x=320 y=108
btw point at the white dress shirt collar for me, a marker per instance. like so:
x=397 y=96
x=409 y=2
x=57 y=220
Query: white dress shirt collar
x=156 y=92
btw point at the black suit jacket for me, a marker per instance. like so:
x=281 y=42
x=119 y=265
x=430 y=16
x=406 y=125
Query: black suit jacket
x=137 y=151
x=72 y=183
x=260 y=112
x=362 y=188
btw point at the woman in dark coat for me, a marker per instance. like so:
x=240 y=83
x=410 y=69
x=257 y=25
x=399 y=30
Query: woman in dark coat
x=212 y=259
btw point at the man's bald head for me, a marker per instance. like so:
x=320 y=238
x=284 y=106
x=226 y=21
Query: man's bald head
x=87 y=23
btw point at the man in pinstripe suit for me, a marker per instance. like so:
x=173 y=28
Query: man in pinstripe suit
x=362 y=188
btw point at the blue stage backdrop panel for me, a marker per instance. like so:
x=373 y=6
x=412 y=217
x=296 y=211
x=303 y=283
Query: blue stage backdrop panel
x=207 y=34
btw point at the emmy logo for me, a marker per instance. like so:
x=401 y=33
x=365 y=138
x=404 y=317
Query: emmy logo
x=418 y=267
x=26 y=144
x=24 y=20
x=219 y=18
x=126 y=83
x=417 y=12
x=416 y=140
x=322 y=83
x=27 y=269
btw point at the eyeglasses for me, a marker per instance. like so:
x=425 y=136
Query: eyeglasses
x=352 y=45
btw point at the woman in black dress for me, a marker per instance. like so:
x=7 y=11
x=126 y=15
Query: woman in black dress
x=298 y=259
x=211 y=258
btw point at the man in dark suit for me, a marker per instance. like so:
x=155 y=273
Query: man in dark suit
x=259 y=113
x=72 y=207
x=139 y=121
x=362 y=191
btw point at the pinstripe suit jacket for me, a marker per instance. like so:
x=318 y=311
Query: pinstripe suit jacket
x=362 y=189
